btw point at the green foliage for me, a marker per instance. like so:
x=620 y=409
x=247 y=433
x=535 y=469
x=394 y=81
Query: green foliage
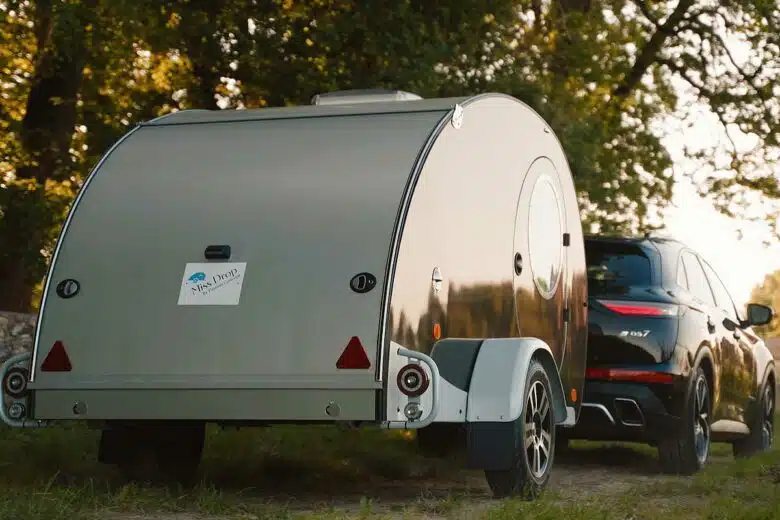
x=78 y=73
x=768 y=293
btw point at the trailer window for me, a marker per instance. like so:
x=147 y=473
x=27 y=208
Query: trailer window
x=615 y=266
x=544 y=224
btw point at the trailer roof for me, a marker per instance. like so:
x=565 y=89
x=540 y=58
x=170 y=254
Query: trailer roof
x=251 y=114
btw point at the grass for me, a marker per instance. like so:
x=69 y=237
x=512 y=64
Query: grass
x=326 y=473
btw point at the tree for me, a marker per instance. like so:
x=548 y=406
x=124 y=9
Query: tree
x=37 y=191
x=604 y=73
x=80 y=72
x=62 y=59
x=768 y=293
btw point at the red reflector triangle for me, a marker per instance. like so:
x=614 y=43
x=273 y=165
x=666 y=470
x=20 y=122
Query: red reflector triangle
x=57 y=359
x=354 y=355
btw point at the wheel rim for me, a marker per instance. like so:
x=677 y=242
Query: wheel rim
x=538 y=430
x=701 y=426
x=767 y=419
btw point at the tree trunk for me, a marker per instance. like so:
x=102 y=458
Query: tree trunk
x=46 y=133
x=199 y=26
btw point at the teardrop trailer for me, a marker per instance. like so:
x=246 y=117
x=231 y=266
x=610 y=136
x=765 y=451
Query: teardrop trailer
x=374 y=258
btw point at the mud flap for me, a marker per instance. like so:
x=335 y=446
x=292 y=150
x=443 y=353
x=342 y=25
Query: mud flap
x=491 y=445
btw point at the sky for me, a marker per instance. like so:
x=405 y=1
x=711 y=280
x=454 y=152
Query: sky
x=741 y=262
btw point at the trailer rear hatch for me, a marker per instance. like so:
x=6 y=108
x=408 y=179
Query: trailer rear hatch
x=304 y=205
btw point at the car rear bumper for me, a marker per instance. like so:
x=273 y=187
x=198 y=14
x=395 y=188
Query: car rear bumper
x=618 y=411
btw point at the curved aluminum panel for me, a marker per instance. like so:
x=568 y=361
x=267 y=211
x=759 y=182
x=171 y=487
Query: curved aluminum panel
x=461 y=220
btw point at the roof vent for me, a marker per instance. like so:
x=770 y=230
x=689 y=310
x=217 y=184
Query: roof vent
x=349 y=97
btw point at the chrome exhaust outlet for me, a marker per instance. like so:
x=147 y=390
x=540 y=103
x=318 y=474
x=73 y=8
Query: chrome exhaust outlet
x=602 y=409
x=629 y=412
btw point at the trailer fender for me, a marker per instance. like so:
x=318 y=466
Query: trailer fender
x=498 y=380
x=496 y=400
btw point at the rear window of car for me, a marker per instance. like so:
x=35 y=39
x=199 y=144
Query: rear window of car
x=615 y=265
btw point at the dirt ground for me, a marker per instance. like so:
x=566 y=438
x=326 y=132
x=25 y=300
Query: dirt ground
x=607 y=473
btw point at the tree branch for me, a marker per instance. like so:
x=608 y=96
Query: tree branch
x=649 y=53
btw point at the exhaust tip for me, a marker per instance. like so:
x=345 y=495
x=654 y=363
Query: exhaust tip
x=629 y=412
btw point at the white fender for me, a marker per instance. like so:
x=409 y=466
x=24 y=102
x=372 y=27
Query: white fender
x=499 y=378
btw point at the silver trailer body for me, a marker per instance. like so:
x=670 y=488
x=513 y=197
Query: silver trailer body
x=305 y=198
x=404 y=263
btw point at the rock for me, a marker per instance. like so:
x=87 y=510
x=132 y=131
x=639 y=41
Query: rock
x=16 y=333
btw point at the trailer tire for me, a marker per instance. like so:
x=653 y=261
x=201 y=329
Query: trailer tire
x=523 y=479
x=164 y=453
x=178 y=452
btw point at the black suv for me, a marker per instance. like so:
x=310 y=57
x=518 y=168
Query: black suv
x=671 y=362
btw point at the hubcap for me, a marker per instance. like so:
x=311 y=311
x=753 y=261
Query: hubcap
x=767 y=419
x=538 y=428
x=701 y=426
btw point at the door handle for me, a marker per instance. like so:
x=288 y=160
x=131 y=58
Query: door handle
x=710 y=324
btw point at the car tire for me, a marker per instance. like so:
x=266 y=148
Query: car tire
x=562 y=443
x=762 y=429
x=531 y=467
x=689 y=450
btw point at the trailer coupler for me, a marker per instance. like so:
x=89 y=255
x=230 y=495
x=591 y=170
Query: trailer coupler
x=15 y=378
x=435 y=392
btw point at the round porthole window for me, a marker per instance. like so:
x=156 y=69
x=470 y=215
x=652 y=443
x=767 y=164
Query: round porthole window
x=545 y=236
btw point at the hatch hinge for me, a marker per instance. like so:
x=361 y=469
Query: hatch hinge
x=566 y=239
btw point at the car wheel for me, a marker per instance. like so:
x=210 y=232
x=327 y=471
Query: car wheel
x=688 y=451
x=562 y=444
x=762 y=429
x=534 y=434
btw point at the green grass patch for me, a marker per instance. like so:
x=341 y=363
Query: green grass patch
x=327 y=473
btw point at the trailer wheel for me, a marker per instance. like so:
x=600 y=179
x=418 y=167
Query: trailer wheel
x=164 y=453
x=178 y=451
x=534 y=434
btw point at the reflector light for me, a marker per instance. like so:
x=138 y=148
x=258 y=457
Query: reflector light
x=412 y=380
x=638 y=376
x=15 y=382
x=57 y=360
x=354 y=356
x=640 y=308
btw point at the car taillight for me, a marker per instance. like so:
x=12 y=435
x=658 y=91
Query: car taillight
x=635 y=376
x=640 y=308
x=412 y=380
